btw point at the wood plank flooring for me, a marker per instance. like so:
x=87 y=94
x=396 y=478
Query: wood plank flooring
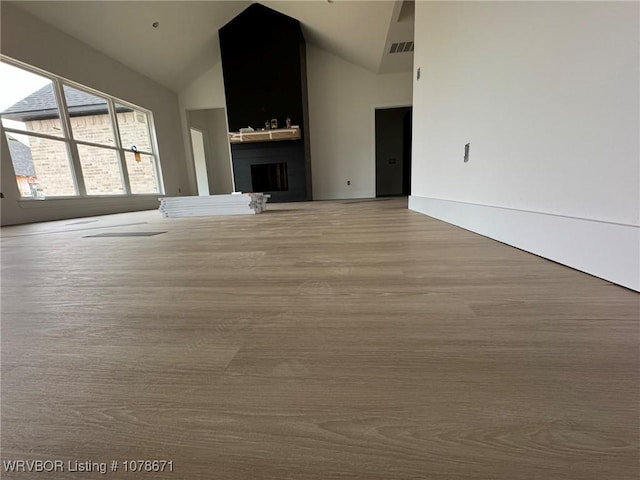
x=324 y=340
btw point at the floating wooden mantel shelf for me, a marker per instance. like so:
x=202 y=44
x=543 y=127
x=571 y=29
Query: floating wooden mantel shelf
x=277 y=134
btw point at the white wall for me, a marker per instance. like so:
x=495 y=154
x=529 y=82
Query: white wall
x=547 y=94
x=342 y=99
x=36 y=43
x=221 y=175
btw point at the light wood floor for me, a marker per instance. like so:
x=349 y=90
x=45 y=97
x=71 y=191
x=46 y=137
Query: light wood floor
x=351 y=340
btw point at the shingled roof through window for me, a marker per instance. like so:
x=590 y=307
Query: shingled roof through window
x=21 y=157
x=41 y=105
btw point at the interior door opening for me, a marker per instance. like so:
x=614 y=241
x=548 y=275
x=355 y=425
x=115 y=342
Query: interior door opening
x=393 y=151
x=211 y=151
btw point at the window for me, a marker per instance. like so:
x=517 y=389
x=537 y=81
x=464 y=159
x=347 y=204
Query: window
x=90 y=114
x=66 y=140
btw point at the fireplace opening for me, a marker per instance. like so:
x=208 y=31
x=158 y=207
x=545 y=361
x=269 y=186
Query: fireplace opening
x=269 y=177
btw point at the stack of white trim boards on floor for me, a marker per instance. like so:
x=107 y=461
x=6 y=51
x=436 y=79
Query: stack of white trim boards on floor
x=204 y=206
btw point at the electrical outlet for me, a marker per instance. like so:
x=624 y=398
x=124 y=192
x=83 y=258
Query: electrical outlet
x=348 y=182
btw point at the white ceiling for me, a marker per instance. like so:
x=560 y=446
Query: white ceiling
x=353 y=30
x=400 y=30
x=186 y=42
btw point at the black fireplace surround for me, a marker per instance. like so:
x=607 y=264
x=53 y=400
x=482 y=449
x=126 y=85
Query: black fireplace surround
x=246 y=157
x=264 y=66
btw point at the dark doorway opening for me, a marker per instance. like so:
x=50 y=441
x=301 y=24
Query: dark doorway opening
x=393 y=151
x=269 y=177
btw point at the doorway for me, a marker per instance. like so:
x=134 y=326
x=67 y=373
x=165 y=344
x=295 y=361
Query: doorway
x=393 y=151
x=211 y=151
x=200 y=161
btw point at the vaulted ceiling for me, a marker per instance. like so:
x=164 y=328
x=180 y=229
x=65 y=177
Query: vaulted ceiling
x=185 y=44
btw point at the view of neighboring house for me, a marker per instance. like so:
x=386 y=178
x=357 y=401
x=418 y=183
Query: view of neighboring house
x=23 y=166
x=90 y=123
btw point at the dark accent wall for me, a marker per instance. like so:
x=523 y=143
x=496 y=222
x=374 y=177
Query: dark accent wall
x=264 y=67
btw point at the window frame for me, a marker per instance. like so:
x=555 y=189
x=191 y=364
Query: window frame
x=71 y=143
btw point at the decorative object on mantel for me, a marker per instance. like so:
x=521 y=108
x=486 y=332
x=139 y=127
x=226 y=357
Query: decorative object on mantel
x=278 y=134
x=274 y=123
x=287 y=123
x=212 y=205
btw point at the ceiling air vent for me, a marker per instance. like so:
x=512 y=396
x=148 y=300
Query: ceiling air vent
x=401 y=47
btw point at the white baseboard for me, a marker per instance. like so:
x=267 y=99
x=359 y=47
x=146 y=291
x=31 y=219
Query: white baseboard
x=607 y=250
x=341 y=195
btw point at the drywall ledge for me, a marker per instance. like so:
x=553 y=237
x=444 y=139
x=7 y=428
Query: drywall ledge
x=52 y=209
x=607 y=250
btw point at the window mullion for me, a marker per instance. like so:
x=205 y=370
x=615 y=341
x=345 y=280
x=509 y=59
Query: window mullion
x=33 y=133
x=71 y=144
x=123 y=161
x=99 y=145
x=151 y=128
